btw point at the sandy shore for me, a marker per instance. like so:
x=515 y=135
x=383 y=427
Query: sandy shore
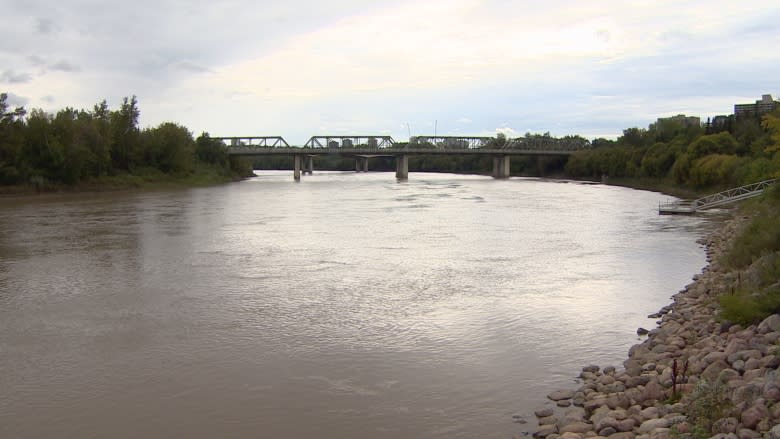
x=693 y=377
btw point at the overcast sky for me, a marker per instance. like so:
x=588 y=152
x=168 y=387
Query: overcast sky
x=299 y=68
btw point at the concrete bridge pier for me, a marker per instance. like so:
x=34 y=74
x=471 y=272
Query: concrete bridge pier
x=361 y=164
x=501 y=166
x=308 y=168
x=402 y=167
x=297 y=159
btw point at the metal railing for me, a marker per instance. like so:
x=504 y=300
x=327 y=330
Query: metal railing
x=718 y=199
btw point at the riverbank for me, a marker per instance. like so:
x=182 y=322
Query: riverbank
x=693 y=377
x=204 y=176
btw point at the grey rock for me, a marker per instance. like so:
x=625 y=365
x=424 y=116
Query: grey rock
x=577 y=427
x=652 y=424
x=725 y=425
x=769 y=324
x=607 y=431
x=561 y=394
x=774 y=433
x=753 y=415
x=543 y=413
x=545 y=431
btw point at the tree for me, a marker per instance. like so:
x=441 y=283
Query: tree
x=125 y=133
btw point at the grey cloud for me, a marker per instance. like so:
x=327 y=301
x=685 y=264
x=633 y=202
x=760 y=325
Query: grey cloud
x=15 y=78
x=48 y=99
x=188 y=66
x=45 y=26
x=16 y=100
x=64 y=66
x=36 y=60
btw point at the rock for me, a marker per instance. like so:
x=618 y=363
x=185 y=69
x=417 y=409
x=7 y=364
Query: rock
x=653 y=391
x=605 y=422
x=753 y=415
x=641 y=331
x=661 y=433
x=609 y=370
x=746 y=433
x=626 y=425
x=774 y=433
x=769 y=324
x=649 y=413
x=570 y=435
x=561 y=394
x=713 y=370
x=547 y=420
x=652 y=424
x=546 y=430
x=577 y=427
x=592 y=368
x=725 y=425
x=607 y=431
x=622 y=435
x=714 y=356
x=543 y=413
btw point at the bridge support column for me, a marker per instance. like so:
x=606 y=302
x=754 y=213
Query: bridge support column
x=501 y=166
x=297 y=167
x=361 y=164
x=402 y=167
x=309 y=166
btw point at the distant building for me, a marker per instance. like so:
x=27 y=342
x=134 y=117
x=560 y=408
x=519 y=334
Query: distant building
x=765 y=105
x=685 y=121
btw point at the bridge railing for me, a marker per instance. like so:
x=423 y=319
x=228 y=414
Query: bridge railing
x=336 y=142
x=255 y=141
x=734 y=194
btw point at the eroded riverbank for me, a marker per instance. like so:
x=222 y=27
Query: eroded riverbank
x=694 y=375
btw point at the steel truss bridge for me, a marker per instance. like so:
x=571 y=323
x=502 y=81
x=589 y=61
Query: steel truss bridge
x=364 y=147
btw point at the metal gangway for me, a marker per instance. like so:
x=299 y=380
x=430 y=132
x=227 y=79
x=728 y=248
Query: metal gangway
x=714 y=200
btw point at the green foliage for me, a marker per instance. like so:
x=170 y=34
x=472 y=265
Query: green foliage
x=761 y=237
x=714 y=169
x=748 y=308
x=706 y=404
x=74 y=146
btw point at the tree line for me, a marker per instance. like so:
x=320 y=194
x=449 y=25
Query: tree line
x=72 y=146
x=741 y=151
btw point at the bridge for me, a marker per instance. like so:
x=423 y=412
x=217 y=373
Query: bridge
x=715 y=200
x=364 y=147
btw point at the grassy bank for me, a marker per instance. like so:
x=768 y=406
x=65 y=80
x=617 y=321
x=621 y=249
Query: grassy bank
x=755 y=258
x=142 y=179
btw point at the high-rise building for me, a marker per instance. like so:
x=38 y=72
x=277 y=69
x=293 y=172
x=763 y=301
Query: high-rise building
x=765 y=105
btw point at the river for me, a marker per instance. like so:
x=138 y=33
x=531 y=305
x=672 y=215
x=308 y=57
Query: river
x=347 y=305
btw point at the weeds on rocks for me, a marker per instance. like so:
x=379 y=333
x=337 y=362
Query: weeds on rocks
x=706 y=404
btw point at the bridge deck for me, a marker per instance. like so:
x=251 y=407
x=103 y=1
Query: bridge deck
x=388 y=152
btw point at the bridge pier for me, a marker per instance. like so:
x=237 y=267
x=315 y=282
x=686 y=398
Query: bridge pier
x=501 y=167
x=402 y=167
x=297 y=158
x=309 y=166
x=361 y=164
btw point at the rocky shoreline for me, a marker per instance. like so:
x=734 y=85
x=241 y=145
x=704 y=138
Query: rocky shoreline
x=693 y=377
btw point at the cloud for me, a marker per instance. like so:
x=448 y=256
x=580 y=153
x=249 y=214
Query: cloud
x=464 y=120
x=64 y=66
x=12 y=77
x=188 y=66
x=15 y=100
x=45 y=26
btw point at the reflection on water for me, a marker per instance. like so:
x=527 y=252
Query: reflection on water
x=347 y=305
